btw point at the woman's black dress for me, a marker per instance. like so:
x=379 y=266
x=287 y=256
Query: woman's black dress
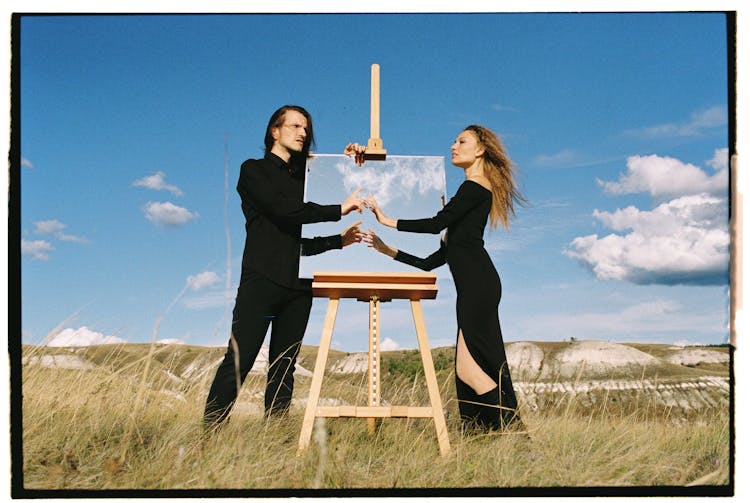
x=479 y=289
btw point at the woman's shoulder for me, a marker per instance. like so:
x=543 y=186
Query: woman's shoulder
x=479 y=183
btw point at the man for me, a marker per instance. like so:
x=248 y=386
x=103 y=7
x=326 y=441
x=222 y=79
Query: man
x=270 y=291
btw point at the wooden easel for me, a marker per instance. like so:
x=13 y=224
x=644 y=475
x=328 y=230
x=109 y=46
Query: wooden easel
x=374 y=288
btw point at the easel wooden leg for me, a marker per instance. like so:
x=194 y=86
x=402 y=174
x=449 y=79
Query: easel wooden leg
x=431 y=378
x=317 y=380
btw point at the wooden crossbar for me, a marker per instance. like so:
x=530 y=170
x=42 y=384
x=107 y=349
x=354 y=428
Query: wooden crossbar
x=366 y=291
x=406 y=278
x=382 y=411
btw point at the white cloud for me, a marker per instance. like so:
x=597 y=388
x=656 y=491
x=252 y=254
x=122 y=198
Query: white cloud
x=409 y=175
x=157 y=182
x=568 y=158
x=209 y=300
x=26 y=163
x=720 y=160
x=38 y=250
x=664 y=177
x=205 y=279
x=698 y=123
x=55 y=228
x=82 y=336
x=389 y=344
x=48 y=227
x=71 y=238
x=700 y=212
x=168 y=214
x=170 y=341
x=684 y=240
x=565 y=157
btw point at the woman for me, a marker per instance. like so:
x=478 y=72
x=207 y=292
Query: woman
x=483 y=384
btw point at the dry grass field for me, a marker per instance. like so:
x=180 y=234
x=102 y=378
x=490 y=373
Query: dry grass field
x=127 y=417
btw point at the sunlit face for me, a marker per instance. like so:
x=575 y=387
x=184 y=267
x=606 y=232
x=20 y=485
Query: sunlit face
x=466 y=150
x=290 y=136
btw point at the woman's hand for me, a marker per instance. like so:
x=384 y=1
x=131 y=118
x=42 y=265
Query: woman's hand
x=371 y=204
x=352 y=234
x=374 y=241
x=356 y=150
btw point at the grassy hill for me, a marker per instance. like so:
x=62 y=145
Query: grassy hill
x=180 y=358
x=128 y=416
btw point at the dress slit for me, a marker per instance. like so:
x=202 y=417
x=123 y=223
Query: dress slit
x=469 y=371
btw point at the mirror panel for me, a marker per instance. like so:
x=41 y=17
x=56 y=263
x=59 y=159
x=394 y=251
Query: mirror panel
x=404 y=186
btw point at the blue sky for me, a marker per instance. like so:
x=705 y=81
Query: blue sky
x=617 y=123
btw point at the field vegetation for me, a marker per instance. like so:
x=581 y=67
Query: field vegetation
x=132 y=420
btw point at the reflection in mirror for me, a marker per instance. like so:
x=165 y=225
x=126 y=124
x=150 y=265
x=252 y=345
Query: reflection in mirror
x=404 y=186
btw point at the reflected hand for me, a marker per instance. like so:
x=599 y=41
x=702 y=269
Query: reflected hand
x=356 y=150
x=374 y=241
x=352 y=234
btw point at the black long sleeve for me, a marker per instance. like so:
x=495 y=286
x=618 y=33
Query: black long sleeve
x=267 y=187
x=467 y=197
x=272 y=201
x=320 y=244
x=429 y=263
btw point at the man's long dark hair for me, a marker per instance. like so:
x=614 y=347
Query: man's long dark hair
x=277 y=119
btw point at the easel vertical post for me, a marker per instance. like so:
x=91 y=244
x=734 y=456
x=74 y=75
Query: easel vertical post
x=373 y=361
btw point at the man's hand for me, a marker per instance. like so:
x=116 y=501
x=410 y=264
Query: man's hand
x=351 y=234
x=351 y=203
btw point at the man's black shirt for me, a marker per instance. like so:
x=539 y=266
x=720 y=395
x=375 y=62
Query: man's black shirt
x=272 y=194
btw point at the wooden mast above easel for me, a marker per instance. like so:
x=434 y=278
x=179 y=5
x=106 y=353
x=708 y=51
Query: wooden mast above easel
x=375 y=150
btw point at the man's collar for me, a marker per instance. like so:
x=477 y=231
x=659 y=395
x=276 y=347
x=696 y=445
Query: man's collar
x=276 y=160
x=295 y=164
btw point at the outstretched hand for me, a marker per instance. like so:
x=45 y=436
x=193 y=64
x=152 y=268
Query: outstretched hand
x=374 y=241
x=371 y=204
x=352 y=203
x=352 y=234
x=356 y=150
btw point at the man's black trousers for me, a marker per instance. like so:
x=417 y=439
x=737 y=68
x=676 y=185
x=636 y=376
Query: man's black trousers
x=261 y=302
